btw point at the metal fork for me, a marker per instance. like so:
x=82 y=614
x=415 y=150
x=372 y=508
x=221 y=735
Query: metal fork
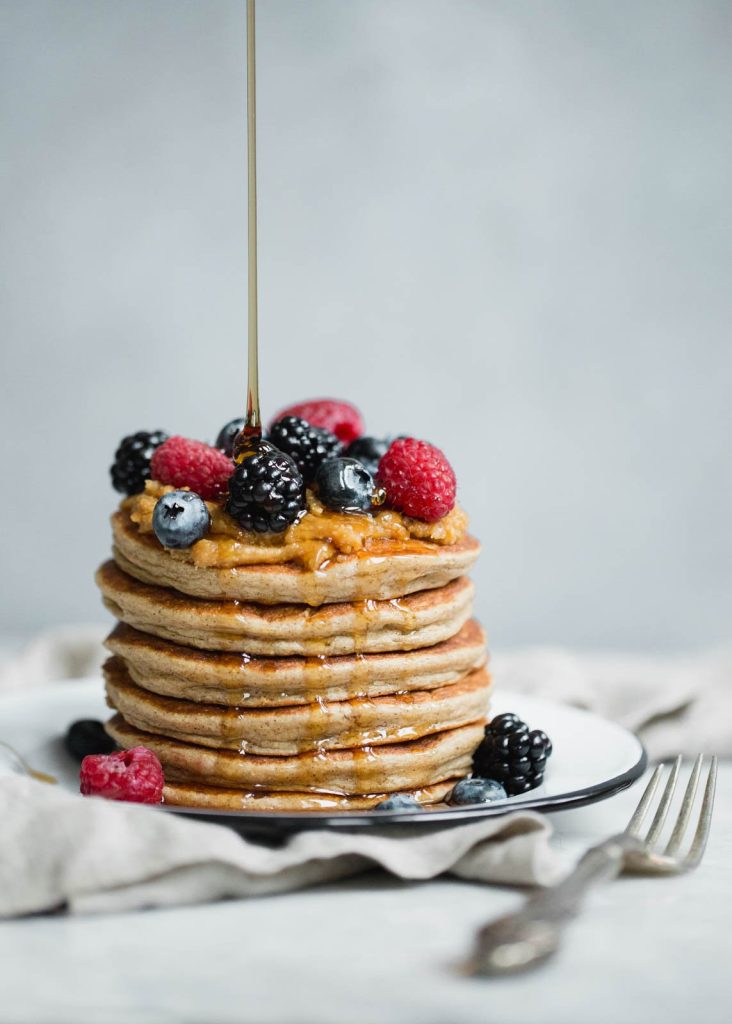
x=530 y=936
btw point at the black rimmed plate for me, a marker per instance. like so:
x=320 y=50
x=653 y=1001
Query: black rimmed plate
x=592 y=760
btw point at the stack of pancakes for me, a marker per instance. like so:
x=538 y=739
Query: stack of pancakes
x=276 y=687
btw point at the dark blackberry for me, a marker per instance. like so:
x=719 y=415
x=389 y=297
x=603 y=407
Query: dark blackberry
x=266 y=493
x=368 y=451
x=308 y=446
x=131 y=466
x=512 y=754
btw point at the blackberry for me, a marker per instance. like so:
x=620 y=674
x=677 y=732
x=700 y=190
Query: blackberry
x=131 y=466
x=368 y=451
x=512 y=754
x=266 y=493
x=308 y=446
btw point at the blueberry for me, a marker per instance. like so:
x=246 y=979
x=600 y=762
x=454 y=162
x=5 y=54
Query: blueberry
x=180 y=518
x=228 y=434
x=476 y=790
x=344 y=485
x=87 y=736
x=399 y=802
x=368 y=451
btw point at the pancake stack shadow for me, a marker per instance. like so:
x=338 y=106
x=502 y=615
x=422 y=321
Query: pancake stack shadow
x=373 y=683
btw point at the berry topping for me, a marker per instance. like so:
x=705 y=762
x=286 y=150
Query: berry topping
x=399 y=802
x=512 y=754
x=340 y=418
x=307 y=445
x=475 y=790
x=266 y=493
x=418 y=479
x=131 y=466
x=344 y=485
x=185 y=463
x=368 y=451
x=180 y=518
x=135 y=775
x=87 y=736
x=228 y=434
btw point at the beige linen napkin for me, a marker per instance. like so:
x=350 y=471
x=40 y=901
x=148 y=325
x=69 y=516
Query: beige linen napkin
x=678 y=704
x=88 y=855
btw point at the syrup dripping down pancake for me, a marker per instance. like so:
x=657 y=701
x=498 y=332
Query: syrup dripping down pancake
x=417 y=620
x=366 y=770
x=215 y=799
x=320 y=725
x=242 y=680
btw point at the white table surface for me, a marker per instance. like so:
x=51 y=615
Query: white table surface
x=373 y=950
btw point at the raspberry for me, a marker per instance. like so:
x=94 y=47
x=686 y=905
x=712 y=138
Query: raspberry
x=340 y=418
x=135 y=775
x=418 y=479
x=193 y=464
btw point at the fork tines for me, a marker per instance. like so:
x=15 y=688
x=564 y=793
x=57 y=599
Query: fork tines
x=668 y=859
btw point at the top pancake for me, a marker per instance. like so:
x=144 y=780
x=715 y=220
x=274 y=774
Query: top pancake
x=405 y=570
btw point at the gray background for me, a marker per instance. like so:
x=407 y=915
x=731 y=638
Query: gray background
x=504 y=226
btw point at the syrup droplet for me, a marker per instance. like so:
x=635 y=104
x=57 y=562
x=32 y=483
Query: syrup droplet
x=248 y=443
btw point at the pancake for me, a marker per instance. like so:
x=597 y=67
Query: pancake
x=292 y=730
x=417 y=620
x=239 y=680
x=366 y=770
x=396 y=571
x=182 y=794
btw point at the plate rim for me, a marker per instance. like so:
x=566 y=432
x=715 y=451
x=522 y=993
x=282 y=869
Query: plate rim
x=276 y=823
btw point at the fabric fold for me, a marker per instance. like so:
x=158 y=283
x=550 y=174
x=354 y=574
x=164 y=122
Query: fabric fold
x=60 y=850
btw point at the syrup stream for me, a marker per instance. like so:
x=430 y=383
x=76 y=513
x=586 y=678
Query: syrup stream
x=253 y=426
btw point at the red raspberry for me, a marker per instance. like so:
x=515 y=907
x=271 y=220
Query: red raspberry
x=418 y=479
x=193 y=464
x=135 y=775
x=340 y=418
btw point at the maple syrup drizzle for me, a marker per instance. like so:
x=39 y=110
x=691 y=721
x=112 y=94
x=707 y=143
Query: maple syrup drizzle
x=247 y=441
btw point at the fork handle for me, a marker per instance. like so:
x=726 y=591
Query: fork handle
x=531 y=935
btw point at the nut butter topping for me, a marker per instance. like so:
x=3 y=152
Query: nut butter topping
x=317 y=538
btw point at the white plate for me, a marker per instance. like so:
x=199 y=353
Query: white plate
x=592 y=759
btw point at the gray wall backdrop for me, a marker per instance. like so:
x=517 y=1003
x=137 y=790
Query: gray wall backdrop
x=502 y=225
